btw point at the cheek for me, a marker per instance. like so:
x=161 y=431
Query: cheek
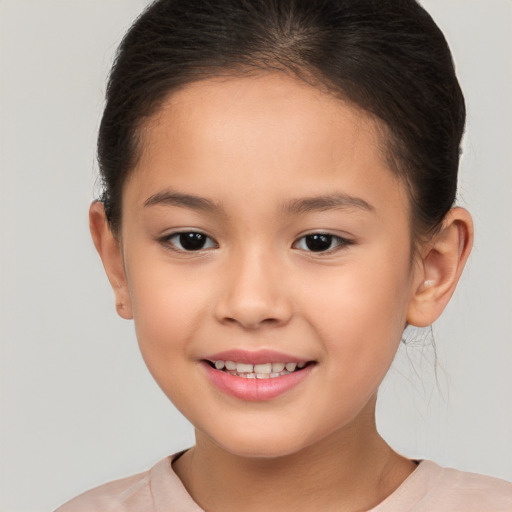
x=166 y=308
x=360 y=316
x=364 y=296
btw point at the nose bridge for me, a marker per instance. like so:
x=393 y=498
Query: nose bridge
x=252 y=289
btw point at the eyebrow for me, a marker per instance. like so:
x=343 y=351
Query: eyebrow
x=326 y=202
x=296 y=206
x=190 y=201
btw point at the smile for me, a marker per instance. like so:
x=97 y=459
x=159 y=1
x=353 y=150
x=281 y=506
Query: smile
x=257 y=371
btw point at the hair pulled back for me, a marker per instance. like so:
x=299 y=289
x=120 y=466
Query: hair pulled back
x=386 y=56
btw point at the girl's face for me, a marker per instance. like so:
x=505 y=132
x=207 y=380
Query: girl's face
x=262 y=226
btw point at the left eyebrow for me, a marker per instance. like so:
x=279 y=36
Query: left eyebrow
x=326 y=202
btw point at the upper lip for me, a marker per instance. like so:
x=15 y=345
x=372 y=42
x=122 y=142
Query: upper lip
x=255 y=357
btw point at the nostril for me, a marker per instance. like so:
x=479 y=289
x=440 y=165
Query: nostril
x=249 y=322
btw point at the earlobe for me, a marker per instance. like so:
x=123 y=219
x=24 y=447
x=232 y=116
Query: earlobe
x=109 y=249
x=440 y=267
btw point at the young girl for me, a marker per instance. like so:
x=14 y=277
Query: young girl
x=279 y=179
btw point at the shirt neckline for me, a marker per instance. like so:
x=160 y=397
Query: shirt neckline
x=169 y=493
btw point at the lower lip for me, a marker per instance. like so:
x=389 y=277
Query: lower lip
x=255 y=390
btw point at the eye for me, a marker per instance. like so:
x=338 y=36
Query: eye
x=321 y=242
x=190 y=241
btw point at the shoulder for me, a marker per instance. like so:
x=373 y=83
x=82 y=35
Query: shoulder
x=132 y=493
x=469 y=491
x=144 y=492
x=431 y=488
x=156 y=490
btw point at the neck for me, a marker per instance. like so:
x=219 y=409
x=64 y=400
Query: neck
x=352 y=469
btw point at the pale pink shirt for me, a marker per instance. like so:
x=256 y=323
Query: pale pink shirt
x=430 y=488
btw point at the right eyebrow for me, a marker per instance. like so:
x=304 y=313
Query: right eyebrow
x=190 y=201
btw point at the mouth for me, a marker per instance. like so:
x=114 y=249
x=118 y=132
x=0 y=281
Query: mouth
x=269 y=370
x=258 y=375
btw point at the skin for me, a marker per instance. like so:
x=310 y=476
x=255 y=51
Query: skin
x=253 y=146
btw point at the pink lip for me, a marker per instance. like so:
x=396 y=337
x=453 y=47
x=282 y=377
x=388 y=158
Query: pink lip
x=255 y=390
x=259 y=357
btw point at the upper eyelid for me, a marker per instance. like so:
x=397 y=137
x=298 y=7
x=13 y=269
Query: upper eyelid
x=182 y=231
x=347 y=238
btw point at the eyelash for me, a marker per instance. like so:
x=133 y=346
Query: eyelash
x=195 y=236
x=167 y=240
x=339 y=242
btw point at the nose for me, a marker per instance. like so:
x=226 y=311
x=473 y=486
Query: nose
x=253 y=293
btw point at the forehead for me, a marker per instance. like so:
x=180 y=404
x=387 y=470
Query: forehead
x=268 y=107
x=269 y=132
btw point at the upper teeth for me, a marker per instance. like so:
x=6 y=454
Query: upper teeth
x=263 y=368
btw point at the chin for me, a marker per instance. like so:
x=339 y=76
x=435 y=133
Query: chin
x=259 y=451
x=261 y=443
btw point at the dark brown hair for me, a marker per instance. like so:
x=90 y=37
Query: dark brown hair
x=386 y=56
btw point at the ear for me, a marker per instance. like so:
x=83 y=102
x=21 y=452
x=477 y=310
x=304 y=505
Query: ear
x=109 y=249
x=440 y=265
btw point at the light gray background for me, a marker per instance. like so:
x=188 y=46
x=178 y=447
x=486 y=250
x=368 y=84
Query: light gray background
x=78 y=407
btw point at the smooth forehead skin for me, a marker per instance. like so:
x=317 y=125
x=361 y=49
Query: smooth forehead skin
x=236 y=128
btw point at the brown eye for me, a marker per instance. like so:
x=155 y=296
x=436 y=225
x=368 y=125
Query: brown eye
x=317 y=243
x=190 y=241
x=321 y=242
